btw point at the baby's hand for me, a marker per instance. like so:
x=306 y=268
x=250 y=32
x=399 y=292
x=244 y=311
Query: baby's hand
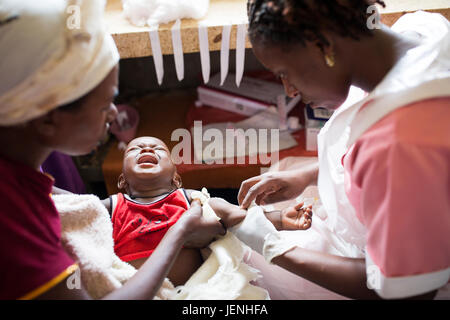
x=296 y=218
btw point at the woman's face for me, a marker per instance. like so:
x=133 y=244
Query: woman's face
x=80 y=131
x=304 y=72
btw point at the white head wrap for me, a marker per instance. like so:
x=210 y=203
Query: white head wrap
x=52 y=53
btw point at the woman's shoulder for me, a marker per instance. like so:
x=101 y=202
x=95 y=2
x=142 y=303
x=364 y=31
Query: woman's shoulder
x=25 y=192
x=411 y=136
x=422 y=123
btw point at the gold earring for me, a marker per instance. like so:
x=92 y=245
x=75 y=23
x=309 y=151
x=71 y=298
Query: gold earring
x=329 y=60
x=177 y=183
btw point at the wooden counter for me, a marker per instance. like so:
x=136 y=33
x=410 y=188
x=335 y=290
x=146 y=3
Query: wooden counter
x=396 y=8
x=134 y=41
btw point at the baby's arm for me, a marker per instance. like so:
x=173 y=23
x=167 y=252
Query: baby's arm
x=291 y=218
x=107 y=203
x=230 y=214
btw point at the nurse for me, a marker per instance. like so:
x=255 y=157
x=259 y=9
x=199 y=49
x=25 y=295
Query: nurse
x=57 y=86
x=384 y=157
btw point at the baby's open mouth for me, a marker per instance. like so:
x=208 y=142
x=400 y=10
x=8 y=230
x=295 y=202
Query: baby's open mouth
x=147 y=159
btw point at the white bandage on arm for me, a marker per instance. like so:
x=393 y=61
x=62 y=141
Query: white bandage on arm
x=258 y=233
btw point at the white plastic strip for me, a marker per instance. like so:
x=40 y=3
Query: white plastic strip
x=225 y=53
x=240 y=52
x=157 y=53
x=177 y=45
x=293 y=103
x=281 y=102
x=204 y=51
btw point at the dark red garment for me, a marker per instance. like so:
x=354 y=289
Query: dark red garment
x=31 y=254
x=139 y=228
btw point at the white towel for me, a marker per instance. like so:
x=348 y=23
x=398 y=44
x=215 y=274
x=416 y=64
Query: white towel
x=87 y=237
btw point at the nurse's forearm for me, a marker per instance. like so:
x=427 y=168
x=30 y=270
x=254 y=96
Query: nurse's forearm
x=313 y=171
x=345 y=276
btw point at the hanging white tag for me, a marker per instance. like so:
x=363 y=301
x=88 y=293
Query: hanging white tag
x=293 y=103
x=177 y=45
x=225 y=53
x=204 y=51
x=157 y=53
x=240 y=52
x=282 y=114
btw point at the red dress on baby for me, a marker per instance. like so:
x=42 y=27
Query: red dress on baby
x=139 y=228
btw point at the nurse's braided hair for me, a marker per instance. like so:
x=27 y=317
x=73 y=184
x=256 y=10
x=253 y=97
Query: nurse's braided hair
x=284 y=22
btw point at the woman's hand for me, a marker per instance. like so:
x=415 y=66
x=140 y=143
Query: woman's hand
x=278 y=186
x=198 y=231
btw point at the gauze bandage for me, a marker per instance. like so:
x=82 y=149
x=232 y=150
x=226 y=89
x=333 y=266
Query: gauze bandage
x=52 y=53
x=258 y=233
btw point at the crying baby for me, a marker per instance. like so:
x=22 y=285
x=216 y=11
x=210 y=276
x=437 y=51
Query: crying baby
x=153 y=200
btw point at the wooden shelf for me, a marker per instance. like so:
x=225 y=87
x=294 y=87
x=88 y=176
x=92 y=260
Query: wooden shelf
x=134 y=42
x=396 y=8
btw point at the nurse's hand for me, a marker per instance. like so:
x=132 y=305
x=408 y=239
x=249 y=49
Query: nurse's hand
x=277 y=186
x=198 y=232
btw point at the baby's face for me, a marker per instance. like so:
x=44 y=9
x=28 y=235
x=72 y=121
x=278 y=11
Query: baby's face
x=147 y=159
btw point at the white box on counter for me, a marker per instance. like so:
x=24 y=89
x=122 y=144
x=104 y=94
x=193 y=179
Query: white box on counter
x=229 y=102
x=253 y=94
x=315 y=119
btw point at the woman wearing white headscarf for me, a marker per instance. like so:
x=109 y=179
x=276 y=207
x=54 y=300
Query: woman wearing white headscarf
x=59 y=76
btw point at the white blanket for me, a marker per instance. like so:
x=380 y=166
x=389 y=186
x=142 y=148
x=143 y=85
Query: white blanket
x=86 y=235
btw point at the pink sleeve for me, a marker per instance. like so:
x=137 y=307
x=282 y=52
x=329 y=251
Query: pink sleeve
x=405 y=205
